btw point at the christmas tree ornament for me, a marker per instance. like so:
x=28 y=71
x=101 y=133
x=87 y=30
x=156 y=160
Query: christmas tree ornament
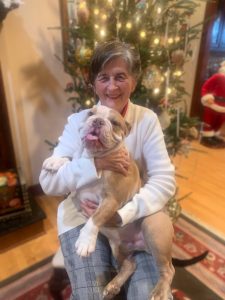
x=174 y=209
x=152 y=77
x=83 y=13
x=164 y=119
x=191 y=132
x=83 y=55
x=178 y=57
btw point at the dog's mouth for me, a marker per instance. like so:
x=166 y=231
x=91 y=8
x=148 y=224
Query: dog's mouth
x=92 y=139
x=92 y=136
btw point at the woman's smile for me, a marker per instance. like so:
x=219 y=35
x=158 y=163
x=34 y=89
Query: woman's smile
x=114 y=84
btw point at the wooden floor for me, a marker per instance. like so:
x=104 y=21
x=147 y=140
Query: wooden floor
x=205 y=178
x=202 y=174
x=31 y=244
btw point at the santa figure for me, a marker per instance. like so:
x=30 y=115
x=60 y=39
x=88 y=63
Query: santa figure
x=213 y=100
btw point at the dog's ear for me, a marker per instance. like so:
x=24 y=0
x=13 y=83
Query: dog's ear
x=93 y=109
x=128 y=128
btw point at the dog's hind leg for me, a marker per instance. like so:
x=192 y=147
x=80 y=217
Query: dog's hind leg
x=127 y=268
x=158 y=234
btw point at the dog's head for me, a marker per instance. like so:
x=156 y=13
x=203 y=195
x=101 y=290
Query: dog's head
x=103 y=130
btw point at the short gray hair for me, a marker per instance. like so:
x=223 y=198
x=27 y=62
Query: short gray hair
x=108 y=51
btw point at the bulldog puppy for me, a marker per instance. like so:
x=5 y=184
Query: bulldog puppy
x=102 y=133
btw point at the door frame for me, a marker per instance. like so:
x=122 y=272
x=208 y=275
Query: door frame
x=210 y=14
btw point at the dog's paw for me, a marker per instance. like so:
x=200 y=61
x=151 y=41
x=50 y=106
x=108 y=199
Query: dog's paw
x=110 y=291
x=84 y=247
x=161 y=291
x=53 y=163
x=86 y=241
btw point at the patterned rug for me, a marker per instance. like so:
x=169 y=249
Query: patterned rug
x=203 y=281
x=192 y=240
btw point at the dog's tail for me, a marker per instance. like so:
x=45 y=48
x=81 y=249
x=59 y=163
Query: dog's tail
x=188 y=262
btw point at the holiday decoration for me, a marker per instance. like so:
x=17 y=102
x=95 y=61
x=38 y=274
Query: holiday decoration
x=152 y=77
x=83 y=55
x=213 y=100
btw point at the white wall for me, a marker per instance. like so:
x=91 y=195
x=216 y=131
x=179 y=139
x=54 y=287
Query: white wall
x=34 y=80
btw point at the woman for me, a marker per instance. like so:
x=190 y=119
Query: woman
x=114 y=70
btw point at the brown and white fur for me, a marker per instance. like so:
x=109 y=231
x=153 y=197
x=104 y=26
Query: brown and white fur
x=102 y=133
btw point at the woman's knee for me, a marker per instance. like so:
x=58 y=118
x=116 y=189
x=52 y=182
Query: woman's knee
x=88 y=276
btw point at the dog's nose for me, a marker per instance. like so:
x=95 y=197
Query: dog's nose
x=98 y=122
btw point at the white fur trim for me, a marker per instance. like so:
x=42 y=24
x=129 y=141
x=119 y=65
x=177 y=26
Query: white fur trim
x=218 y=108
x=222 y=70
x=208 y=133
x=205 y=98
x=223 y=63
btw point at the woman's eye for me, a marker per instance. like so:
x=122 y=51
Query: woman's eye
x=103 y=78
x=120 y=78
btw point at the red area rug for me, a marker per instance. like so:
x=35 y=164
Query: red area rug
x=192 y=240
x=203 y=281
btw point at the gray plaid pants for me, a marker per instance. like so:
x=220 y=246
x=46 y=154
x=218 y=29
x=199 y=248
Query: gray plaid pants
x=89 y=275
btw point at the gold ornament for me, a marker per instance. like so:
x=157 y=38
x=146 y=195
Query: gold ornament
x=178 y=57
x=174 y=209
x=83 y=55
x=83 y=13
x=152 y=78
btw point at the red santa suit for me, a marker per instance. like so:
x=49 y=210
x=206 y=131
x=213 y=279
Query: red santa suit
x=213 y=100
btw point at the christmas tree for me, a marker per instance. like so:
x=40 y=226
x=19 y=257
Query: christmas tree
x=161 y=32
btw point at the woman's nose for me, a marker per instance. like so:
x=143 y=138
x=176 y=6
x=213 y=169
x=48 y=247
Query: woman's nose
x=112 y=84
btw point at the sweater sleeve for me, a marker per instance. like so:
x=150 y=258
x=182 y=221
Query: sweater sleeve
x=77 y=171
x=159 y=185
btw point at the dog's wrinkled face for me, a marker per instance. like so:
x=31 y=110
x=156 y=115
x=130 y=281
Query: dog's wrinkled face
x=104 y=129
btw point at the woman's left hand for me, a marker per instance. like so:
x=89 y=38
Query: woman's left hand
x=89 y=207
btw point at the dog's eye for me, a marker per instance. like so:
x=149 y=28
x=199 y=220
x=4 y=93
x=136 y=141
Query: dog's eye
x=90 y=113
x=115 y=123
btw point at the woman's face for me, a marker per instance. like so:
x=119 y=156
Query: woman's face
x=114 y=84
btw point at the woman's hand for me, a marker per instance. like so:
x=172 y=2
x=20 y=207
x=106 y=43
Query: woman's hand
x=89 y=207
x=118 y=161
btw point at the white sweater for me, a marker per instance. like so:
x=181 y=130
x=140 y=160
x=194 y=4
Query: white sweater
x=147 y=147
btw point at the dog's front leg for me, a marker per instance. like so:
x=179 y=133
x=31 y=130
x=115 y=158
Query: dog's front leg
x=86 y=241
x=158 y=235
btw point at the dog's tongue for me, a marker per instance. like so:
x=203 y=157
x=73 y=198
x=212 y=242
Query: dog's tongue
x=91 y=137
